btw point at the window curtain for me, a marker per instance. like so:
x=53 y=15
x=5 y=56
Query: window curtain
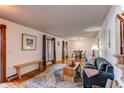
x=66 y=53
x=64 y=50
x=49 y=50
x=54 y=51
x=44 y=50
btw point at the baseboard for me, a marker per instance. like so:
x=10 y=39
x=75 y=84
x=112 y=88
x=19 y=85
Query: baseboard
x=49 y=63
x=13 y=77
x=58 y=61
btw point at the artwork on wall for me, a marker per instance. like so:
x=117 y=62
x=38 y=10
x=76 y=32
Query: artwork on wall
x=105 y=38
x=28 y=42
x=109 y=38
x=58 y=43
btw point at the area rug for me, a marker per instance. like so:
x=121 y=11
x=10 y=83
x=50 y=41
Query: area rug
x=5 y=86
x=13 y=85
x=47 y=80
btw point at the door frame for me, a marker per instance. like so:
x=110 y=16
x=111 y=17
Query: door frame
x=44 y=50
x=64 y=44
x=3 y=52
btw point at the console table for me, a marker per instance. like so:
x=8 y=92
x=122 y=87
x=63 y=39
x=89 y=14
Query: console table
x=19 y=66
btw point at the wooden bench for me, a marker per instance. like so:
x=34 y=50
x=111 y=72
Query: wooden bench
x=19 y=66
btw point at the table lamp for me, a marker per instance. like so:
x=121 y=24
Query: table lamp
x=94 y=48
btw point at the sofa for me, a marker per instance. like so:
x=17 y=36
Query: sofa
x=105 y=70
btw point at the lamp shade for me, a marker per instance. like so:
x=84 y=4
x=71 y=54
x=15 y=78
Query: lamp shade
x=94 y=47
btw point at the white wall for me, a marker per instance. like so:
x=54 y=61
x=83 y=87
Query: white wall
x=59 y=49
x=84 y=44
x=15 y=55
x=111 y=23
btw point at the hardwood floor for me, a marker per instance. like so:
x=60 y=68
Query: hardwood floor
x=28 y=75
x=31 y=74
x=18 y=83
x=36 y=72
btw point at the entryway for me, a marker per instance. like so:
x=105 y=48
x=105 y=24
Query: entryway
x=49 y=53
x=64 y=50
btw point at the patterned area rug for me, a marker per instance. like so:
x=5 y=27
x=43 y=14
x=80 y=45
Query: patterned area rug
x=47 y=80
x=5 y=86
x=13 y=85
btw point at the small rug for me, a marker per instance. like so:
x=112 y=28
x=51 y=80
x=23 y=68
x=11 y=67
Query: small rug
x=47 y=80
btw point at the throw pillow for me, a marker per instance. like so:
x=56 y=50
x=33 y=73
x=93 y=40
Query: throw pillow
x=91 y=72
x=91 y=60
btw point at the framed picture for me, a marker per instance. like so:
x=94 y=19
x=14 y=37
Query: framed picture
x=109 y=38
x=58 y=43
x=28 y=42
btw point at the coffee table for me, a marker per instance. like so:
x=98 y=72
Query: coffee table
x=69 y=72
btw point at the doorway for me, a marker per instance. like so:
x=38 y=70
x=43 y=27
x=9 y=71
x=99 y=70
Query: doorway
x=2 y=53
x=49 y=53
x=64 y=50
x=49 y=50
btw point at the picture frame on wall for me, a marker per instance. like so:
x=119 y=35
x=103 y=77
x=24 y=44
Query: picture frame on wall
x=29 y=42
x=109 y=38
x=58 y=43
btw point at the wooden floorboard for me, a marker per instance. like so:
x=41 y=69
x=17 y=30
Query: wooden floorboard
x=29 y=75
x=18 y=82
x=36 y=72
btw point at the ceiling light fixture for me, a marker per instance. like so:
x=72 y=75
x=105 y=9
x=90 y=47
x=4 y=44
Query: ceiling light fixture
x=77 y=38
x=92 y=29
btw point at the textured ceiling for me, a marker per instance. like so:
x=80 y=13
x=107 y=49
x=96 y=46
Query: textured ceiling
x=65 y=21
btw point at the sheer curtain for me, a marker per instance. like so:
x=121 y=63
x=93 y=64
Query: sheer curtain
x=49 y=50
x=64 y=50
